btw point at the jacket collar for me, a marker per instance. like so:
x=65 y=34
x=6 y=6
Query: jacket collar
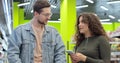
x=28 y=27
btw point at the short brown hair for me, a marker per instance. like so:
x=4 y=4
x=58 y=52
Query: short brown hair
x=39 y=5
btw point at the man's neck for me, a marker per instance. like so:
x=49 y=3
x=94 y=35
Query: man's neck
x=37 y=25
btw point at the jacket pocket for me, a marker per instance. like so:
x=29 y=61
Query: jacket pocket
x=26 y=49
x=48 y=51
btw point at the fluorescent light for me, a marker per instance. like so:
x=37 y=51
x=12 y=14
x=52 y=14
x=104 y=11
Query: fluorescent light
x=53 y=6
x=103 y=7
x=31 y=11
x=102 y=20
x=106 y=23
x=113 y=2
x=118 y=20
x=23 y=4
x=59 y=19
x=112 y=17
x=90 y=1
x=83 y=6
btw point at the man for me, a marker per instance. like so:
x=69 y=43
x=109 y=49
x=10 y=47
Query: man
x=35 y=42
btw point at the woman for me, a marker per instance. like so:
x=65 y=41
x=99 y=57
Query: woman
x=92 y=44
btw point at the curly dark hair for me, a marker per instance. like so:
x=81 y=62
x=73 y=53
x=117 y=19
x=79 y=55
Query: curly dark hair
x=94 y=26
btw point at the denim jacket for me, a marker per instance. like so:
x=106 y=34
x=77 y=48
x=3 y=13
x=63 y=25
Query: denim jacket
x=22 y=43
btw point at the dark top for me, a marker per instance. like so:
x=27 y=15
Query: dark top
x=97 y=49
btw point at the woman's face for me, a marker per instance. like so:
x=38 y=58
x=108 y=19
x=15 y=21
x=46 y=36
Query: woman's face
x=83 y=27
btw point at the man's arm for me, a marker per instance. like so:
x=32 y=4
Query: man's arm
x=59 y=50
x=13 y=47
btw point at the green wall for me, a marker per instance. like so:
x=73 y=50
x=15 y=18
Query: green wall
x=108 y=27
x=111 y=27
x=68 y=19
x=116 y=25
x=55 y=25
x=15 y=15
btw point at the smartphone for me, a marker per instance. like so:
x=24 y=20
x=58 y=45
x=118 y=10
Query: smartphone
x=69 y=52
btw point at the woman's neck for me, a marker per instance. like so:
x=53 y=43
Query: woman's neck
x=88 y=34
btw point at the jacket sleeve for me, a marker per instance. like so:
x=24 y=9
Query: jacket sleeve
x=13 y=47
x=104 y=52
x=59 y=50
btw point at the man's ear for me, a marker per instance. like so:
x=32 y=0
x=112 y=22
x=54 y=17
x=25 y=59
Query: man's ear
x=35 y=13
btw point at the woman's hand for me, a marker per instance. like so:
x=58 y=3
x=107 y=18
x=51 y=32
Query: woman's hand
x=73 y=56
x=78 y=57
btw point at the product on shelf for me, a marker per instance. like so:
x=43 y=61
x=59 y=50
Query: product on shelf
x=116 y=33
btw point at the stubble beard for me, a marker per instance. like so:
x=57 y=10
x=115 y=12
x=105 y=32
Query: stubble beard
x=41 y=23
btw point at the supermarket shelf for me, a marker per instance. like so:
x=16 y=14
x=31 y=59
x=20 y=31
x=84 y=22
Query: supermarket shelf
x=115 y=53
x=115 y=35
x=114 y=42
x=113 y=59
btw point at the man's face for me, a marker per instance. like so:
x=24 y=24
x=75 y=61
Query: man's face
x=44 y=16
